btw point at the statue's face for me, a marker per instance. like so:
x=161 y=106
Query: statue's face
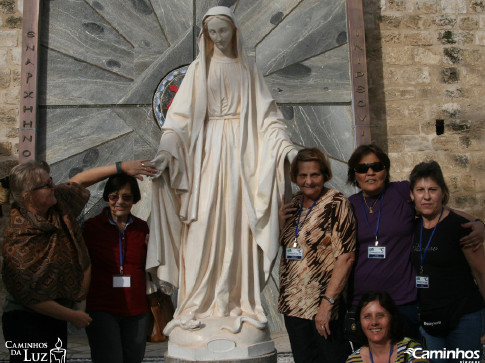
x=221 y=32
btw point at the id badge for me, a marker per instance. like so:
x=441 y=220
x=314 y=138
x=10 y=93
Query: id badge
x=294 y=253
x=376 y=252
x=121 y=281
x=422 y=282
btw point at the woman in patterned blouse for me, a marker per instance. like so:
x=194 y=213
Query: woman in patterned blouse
x=317 y=231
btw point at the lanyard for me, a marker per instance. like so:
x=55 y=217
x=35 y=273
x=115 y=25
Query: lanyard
x=421 y=254
x=298 y=225
x=122 y=249
x=121 y=234
x=390 y=354
x=378 y=215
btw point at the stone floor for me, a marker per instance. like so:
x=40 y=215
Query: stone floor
x=78 y=349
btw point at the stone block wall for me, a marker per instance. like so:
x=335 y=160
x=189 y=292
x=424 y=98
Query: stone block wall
x=426 y=64
x=10 y=59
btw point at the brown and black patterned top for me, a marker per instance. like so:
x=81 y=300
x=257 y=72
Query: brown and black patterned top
x=328 y=232
x=46 y=259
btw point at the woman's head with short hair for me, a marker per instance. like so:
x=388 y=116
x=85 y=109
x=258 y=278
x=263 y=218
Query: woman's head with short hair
x=357 y=156
x=25 y=177
x=432 y=170
x=311 y=154
x=118 y=181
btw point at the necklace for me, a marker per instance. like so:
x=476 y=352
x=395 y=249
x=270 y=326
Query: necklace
x=371 y=210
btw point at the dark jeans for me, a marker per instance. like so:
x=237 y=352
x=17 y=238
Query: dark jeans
x=117 y=339
x=308 y=346
x=409 y=314
x=40 y=332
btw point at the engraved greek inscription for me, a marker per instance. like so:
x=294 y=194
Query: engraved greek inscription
x=28 y=94
x=362 y=118
x=26 y=153
x=357 y=46
x=31 y=109
x=361 y=103
x=360 y=89
x=28 y=62
x=30 y=34
x=359 y=74
x=28 y=75
x=28 y=124
x=25 y=138
x=32 y=48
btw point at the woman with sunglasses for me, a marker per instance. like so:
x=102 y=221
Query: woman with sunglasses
x=46 y=266
x=117 y=244
x=385 y=224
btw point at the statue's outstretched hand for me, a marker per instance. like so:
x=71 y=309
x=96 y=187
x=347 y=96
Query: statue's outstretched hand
x=160 y=162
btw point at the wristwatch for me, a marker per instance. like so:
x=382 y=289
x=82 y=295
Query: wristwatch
x=329 y=299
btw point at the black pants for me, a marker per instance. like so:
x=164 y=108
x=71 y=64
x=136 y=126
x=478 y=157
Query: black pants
x=30 y=336
x=308 y=346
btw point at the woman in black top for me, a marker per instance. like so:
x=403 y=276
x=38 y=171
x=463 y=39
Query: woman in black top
x=450 y=279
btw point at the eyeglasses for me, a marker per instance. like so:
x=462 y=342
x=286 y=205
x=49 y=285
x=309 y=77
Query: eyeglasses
x=49 y=185
x=124 y=197
x=362 y=168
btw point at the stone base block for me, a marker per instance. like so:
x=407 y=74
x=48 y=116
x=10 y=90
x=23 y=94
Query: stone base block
x=267 y=358
x=223 y=339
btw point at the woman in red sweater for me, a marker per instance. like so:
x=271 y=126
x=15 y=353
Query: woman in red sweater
x=116 y=300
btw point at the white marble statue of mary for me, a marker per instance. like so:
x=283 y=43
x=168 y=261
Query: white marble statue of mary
x=214 y=219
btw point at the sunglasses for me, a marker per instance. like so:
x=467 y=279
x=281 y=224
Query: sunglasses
x=48 y=185
x=124 y=197
x=362 y=168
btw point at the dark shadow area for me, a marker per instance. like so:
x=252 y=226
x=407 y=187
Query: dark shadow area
x=377 y=98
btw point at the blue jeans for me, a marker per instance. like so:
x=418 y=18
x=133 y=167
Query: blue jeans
x=466 y=337
x=117 y=339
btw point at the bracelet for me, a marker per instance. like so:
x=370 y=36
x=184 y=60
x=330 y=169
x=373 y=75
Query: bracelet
x=118 y=167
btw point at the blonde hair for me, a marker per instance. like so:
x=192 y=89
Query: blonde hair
x=25 y=177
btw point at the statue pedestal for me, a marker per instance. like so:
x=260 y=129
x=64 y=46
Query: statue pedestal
x=215 y=342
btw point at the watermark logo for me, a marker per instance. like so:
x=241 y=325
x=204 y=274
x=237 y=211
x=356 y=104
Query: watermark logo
x=465 y=356
x=37 y=352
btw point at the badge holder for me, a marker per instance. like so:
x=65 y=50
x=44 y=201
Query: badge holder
x=376 y=251
x=422 y=282
x=294 y=253
x=121 y=281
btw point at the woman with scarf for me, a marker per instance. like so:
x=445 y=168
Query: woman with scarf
x=46 y=265
x=214 y=229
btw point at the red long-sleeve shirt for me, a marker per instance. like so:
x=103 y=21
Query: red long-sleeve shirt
x=103 y=241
